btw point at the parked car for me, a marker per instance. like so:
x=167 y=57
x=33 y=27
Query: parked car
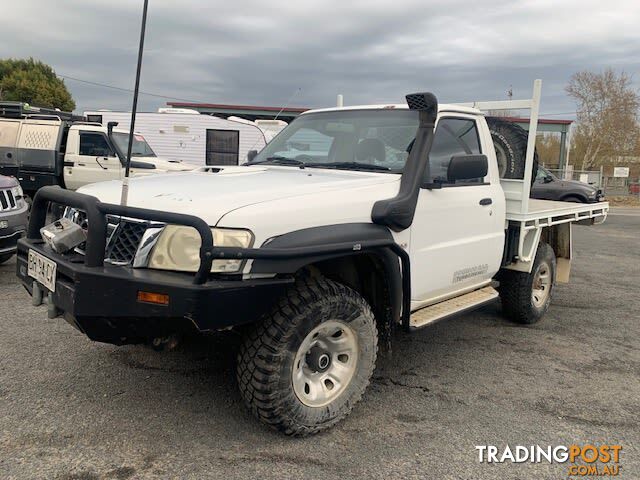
x=13 y=216
x=549 y=187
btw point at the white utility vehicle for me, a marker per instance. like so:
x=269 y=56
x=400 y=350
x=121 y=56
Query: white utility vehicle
x=398 y=217
x=48 y=147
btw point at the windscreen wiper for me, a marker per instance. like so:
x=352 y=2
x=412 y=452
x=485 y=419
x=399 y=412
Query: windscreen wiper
x=278 y=160
x=349 y=166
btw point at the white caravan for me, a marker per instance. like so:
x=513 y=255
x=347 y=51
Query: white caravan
x=186 y=135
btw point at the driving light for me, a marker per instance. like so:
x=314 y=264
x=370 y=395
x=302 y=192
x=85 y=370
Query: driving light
x=178 y=249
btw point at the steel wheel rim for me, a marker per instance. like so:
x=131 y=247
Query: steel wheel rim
x=336 y=342
x=541 y=285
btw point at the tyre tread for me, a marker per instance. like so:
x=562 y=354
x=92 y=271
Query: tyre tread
x=515 y=290
x=259 y=376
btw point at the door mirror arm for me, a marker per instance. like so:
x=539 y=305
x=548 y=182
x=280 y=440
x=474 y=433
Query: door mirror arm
x=98 y=162
x=432 y=185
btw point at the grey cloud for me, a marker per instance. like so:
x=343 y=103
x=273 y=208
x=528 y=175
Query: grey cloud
x=375 y=51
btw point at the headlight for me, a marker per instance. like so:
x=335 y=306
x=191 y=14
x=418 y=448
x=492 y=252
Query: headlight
x=178 y=249
x=18 y=194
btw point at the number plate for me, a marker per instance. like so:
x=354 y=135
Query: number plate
x=43 y=270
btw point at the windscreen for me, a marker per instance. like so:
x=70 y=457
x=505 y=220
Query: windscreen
x=380 y=138
x=139 y=148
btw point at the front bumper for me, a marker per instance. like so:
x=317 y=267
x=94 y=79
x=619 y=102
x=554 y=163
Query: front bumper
x=599 y=197
x=101 y=299
x=16 y=224
x=102 y=302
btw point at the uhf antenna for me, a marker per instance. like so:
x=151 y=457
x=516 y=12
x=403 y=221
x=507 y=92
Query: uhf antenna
x=295 y=92
x=125 y=180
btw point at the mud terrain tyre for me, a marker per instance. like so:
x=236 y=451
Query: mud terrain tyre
x=303 y=368
x=510 y=142
x=526 y=296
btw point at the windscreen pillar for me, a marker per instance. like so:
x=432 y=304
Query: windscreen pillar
x=397 y=212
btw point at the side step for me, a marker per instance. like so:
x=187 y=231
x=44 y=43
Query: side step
x=431 y=314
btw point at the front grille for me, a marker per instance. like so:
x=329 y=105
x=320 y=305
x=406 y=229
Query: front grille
x=124 y=241
x=123 y=236
x=7 y=201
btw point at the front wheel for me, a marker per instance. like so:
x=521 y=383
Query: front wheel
x=526 y=296
x=304 y=367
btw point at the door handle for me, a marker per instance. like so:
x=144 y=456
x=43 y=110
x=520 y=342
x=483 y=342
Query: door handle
x=486 y=201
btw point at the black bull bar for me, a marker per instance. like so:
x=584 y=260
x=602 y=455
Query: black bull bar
x=97 y=212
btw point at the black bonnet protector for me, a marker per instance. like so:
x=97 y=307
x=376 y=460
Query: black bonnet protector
x=397 y=212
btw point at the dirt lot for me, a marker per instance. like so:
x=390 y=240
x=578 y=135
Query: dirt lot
x=624 y=201
x=72 y=409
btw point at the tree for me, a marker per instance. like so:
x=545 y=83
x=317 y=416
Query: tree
x=607 y=116
x=33 y=82
x=548 y=148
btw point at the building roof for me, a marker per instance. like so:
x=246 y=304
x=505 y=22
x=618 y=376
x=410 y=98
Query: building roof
x=544 y=121
x=219 y=106
x=251 y=111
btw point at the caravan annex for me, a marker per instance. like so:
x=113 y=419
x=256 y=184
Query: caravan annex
x=187 y=135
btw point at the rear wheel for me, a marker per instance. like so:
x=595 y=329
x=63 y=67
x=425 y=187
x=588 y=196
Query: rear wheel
x=305 y=366
x=510 y=143
x=526 y=296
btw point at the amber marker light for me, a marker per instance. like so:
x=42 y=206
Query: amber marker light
x=156 y=298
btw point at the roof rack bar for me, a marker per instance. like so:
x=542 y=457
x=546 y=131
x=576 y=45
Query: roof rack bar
x=9 y=109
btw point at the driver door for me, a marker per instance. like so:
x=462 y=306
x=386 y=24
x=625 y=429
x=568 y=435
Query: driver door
x=457 y=235
x=95 y=161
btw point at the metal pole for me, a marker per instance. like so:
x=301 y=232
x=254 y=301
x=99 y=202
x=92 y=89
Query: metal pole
x=562 y=161
x=125 y=180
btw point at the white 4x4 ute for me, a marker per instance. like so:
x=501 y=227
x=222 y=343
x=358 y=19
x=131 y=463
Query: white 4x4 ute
x=350 y=223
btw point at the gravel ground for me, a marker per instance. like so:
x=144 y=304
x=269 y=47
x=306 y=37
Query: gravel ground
x=73 y=409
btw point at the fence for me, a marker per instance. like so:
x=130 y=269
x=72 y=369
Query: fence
x=592 y=177
x=621 y=186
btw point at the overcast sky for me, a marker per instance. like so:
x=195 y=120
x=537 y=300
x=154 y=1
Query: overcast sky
x=262 y=52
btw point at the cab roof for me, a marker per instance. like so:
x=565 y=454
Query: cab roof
x=443 y=107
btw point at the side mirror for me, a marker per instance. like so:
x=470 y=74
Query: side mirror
x=251 y=154
x=467 y=167
x=548 y=179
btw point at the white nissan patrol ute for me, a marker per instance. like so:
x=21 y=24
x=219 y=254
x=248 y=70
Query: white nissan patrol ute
x=352 y=222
